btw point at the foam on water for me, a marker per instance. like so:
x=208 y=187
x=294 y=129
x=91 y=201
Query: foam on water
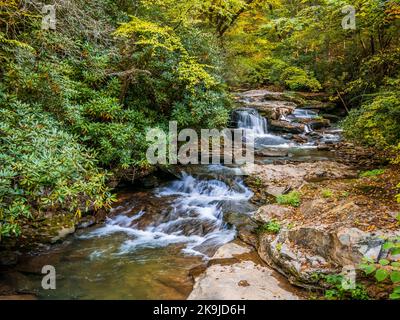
x=195 y=218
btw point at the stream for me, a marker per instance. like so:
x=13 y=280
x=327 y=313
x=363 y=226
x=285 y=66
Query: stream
x=154 y=237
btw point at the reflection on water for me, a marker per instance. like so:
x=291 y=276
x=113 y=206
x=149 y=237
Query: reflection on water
x=147 y=246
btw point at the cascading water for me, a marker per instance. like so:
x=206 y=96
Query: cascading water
x=251 y=119
x=257 y=126
x=195 y=218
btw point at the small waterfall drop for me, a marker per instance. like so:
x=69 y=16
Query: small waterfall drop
x=251 y=119
x=195 y=218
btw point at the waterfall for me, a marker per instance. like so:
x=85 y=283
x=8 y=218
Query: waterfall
x=251 y=119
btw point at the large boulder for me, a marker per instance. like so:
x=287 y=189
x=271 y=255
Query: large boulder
x=243 y=279
x=286 y=126
x=273 y=110
x=301 y=252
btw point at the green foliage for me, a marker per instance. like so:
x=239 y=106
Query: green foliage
x=272 y=226
x=326 y=193
x=292 y=199
x=90 y=90
x=43 y=168
x=372 y=173
x=339 y=291
x=375 y=123
x=385 y=269
x=276 y=71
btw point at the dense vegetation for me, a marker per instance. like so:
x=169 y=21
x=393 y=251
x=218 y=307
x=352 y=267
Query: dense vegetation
x=76 y=102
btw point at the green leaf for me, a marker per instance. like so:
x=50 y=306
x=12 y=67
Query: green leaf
x=395 y=296
x=395 y=264
x=397 y=289
x=396 y=251
x=395 y=276
x=388 y=245
x=384 y=262
x=381 y=275
x=368 y=268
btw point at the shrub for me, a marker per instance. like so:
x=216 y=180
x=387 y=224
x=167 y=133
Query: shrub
x=292 y=199
x=272 y=226
x=386 y=269
x=339 y=291
x=326 y=193
x=372 y=173
x=43 y=168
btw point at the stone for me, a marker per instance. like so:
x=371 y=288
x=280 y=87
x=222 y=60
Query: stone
x=286 y=253
x=86 y=222
x=8 y=258
x=63 y=233
x=285 y=126
x=240 y=281
x=230 y=250
x=271 y=211
x=272 y=153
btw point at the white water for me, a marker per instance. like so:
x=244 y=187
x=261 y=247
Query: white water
x=304 y=114
x=194 y=219
x=251 y=119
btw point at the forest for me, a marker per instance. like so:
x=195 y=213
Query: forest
x=77 y=97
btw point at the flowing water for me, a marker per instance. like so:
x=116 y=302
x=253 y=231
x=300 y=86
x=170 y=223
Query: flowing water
x=149 y=243
x=153 y=238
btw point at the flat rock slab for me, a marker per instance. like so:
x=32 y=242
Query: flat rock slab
x=240 y=281
x=229 y=251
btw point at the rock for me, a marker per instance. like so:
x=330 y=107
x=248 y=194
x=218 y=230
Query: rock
x=240 y=281
x=318 y=105
x=299 y=138
x=324 y=147
x=298 y=174
x=8 y=258
x=271 y=211
x=273 y=110
x=86 y=222
x=285 y=126
x=229 y=251
x=263 y=95
x=287 y=253
x=63 y=233
x=276 y=191
x=272 y=153
x=316 y=124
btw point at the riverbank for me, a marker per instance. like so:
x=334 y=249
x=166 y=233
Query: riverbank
x=307 y=208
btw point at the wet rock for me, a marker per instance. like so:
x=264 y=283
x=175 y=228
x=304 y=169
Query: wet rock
x=285 y=126
x=63 y=233
x=272 y=153
x=299 y=139
x=273 y=110
x=8 y=258
x=324 y=147
x=319 y=105
x=86 y=222
x=316 y=124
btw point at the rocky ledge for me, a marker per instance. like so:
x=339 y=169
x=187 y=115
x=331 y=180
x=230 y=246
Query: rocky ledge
x=236 y=273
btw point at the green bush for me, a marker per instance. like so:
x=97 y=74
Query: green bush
x=276 y=71
x=385 y=269
x=272 y=226
x=372 y=173
x=292 y=198
x=44 y=168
